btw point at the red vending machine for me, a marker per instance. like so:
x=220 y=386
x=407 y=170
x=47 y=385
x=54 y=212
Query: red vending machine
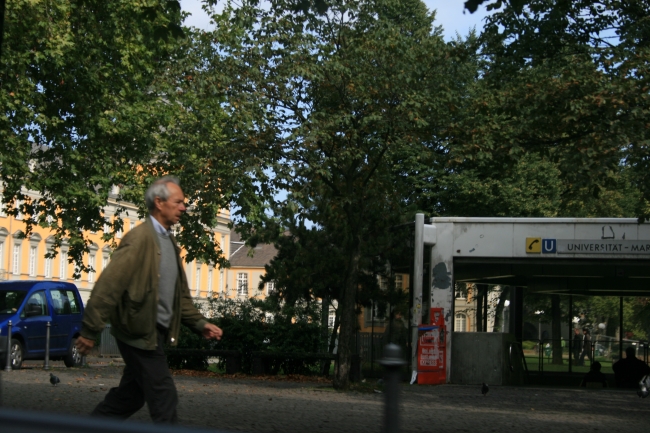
x=432 y=350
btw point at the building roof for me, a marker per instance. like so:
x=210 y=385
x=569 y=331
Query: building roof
x=262 y=254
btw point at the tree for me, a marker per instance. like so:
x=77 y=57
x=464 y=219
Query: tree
x=97 y=94
x=566 y=80
x=344 y=101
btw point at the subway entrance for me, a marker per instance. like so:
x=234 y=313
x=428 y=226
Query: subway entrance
x=566 y=293
x=572 y=312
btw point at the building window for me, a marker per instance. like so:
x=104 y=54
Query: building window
x=63 y=265
x=91 y=265
x=104 y=262
x=15 y=269
x=118 y=234
x=131 y=225
x=209 y=282
x=32 y=261
x=270 y=288
x=19 y=214
x=197 y=281
x=221 y=283
x=242 y=284
x=2 y=207
x=107 y=229
x=2 y=253
x=461 y=323
x=48 y=267
x=399 y=282
x=374 y=314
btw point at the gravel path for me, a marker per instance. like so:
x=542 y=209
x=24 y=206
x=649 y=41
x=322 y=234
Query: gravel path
x=247 y=405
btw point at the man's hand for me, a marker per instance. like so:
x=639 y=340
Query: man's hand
x=211 y=331
x=84 y=345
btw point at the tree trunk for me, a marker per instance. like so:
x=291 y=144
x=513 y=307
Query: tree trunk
x=556 y=329
x=498 y=313
x=347 y=309
x=324 y=320
x=479 y=307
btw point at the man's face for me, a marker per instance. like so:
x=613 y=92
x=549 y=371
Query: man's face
x=170 y=210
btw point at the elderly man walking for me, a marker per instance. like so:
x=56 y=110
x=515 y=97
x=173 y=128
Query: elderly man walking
x=143 y=293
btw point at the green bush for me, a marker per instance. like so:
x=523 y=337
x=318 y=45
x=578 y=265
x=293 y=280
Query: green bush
x=188 y=339
x=257 y=326
x=528 y=345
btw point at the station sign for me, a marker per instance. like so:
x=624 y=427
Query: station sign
x=538 y=245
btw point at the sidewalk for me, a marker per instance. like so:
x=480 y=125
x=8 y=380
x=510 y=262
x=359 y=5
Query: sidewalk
x=247 y=405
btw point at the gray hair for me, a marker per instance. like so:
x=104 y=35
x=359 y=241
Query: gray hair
x=159 y=189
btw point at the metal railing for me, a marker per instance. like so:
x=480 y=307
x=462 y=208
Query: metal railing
x=369 y=347
x=541 y=353
x=604 y=350
x=107 y=343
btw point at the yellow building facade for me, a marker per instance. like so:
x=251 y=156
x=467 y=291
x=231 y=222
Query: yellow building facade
x=23 y=258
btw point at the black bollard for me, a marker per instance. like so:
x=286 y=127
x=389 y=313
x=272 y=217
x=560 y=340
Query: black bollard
x=46 y=364
x=392 y=363
x=8 y=353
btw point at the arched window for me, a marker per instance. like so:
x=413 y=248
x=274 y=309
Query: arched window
x=461 y=323
x=34 y=241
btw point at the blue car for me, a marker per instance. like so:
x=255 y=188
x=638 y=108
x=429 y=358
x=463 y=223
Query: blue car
x=29 y=305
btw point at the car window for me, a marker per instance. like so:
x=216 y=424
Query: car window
x=74 y=302
x=10 y=301
x=64 y=302
x=36 y=305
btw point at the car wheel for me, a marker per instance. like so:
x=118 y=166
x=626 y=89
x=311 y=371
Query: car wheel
x=16 y=354
x=73 y=357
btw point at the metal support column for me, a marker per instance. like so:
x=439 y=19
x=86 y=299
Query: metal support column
x=418 y=271
x=620 y=324
x=392 y=363
x=516 y=325
x=46 y=363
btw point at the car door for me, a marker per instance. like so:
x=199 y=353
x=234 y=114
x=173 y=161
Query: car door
x=60 y=321
x=67 y=319
x=33 y=319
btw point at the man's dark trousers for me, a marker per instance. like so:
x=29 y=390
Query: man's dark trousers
x=146 y=378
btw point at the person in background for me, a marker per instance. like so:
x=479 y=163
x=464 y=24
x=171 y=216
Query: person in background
x=594 y=375
x=143 y=293
x=628 y=371
x=576 y=345
x=586 y=347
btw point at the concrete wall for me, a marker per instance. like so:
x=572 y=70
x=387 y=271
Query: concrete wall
x=479 y=357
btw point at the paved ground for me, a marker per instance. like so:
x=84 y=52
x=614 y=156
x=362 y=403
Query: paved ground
x=247 y=405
